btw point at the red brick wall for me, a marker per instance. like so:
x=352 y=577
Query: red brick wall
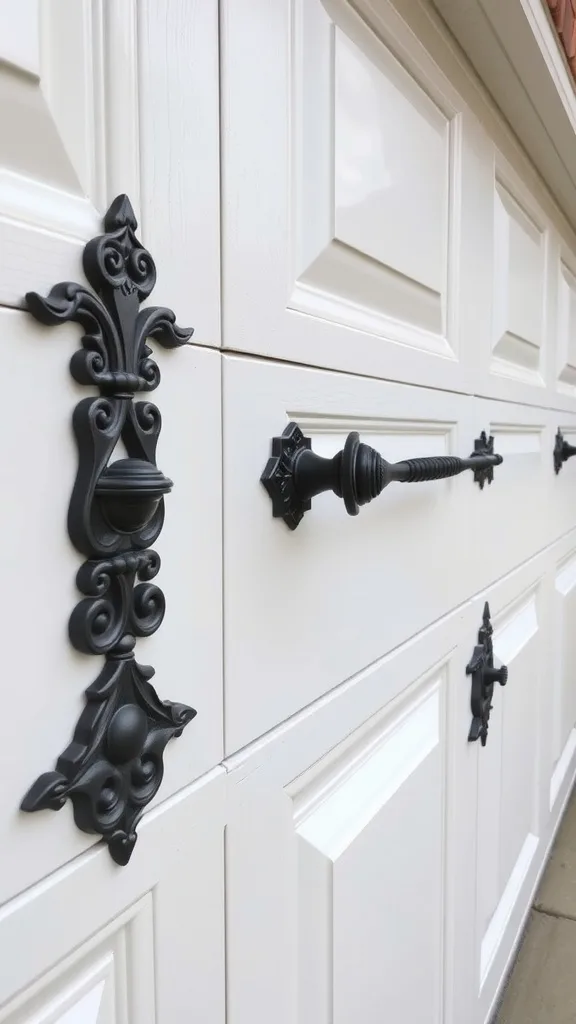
x=564 y=14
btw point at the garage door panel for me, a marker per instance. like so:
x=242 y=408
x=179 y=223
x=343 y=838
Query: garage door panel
x=348 y=790
x=388 y=785
x=509 y=849
x=520 y=359
x=369 y=248
x=562 y=663
x=382 y=126
x=307 y=609
x=563 y=484
x=564 y=265
x=341 y=575
x=93 y=985
x=80 y=85
x=515 y=519
x=48 y=193
x=519 y=285
x=509 y=755
x=516 y=645
x=41 y=567
x=95 y=943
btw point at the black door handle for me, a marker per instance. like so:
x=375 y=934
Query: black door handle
x=562 y=451
x=294 y=474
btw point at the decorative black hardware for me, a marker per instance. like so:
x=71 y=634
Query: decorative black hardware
x=562 y=451
x=484 y=676
x=294 y=474
x=114 y=764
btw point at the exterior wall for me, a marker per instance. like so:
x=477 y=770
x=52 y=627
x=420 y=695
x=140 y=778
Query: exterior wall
x=564 y=16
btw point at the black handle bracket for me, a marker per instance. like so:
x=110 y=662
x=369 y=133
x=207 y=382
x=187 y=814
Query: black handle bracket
x=294 y=474
x=484 y=676
x=562 y=451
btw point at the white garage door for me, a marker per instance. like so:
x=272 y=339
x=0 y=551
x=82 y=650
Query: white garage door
x=391 y=266
x=91 y=105
x=361 y=246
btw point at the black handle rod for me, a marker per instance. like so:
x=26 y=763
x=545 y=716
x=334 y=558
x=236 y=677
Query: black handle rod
x=295 y=474
x=439 y=467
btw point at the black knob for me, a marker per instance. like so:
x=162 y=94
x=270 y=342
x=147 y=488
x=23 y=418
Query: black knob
x=496 y=675
x=294 y=474
x=562 y=451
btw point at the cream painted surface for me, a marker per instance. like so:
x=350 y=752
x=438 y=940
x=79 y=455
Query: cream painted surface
x=566 y=327
x=20 y=37
x=387 y=550
x=420 y=225
x=92 y=96
x=514 y=49
x=509 y=765
x=397 y=788
x=341 y=192
x=326 y=841
x=95 y=944
x=519 y=254
x=564 y=699
x=385 y=232
x=77 y=80
x=384 y=126
x=338 y=784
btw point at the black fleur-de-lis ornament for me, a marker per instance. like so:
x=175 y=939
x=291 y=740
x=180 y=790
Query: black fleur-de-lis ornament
x=114 y=765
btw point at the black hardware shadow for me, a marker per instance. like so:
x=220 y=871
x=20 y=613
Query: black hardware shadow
x=484 y=676
x=114 y=765
x=294 y=474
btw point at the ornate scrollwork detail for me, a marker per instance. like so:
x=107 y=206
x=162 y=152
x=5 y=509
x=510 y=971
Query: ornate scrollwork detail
x=114 y=767
x=484 y=676
x=114 y=605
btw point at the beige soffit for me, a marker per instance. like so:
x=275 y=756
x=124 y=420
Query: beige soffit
x=514 y=47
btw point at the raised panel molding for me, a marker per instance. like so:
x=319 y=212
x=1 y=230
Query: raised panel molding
x=347 y=894
x=69 y=123
x=519 y=289
x=566 y=330
x=371 y=243
x=88 y=944
x=515 y=628
x=111 y=97
x=90 y=82
x=517 y=438
x=564 y=674
x=95 y=984
x=19 y=44
x=496 y=930
x=349 y=817
x=396 y=438
x=508 y=781
x=563 y=765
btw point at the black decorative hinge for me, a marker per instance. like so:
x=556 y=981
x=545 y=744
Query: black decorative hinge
x=114 y=765
x=562 y=451
x=294 y=474
x=484 y=676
